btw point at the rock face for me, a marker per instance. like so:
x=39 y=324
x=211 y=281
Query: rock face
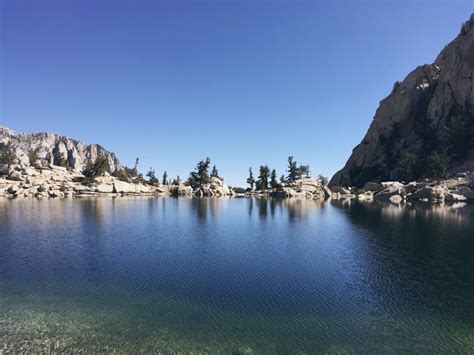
x=429 y=114
x=46 y=144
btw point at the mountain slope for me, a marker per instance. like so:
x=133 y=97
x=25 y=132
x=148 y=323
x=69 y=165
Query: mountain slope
x=47 y=144
x=425 y=127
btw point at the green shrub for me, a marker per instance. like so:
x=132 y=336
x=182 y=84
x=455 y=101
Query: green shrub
x=324 y=180
x=100 y=166
x=459 y=137
x=152 y=179
x=7 y=153
x=436 y=165
x=33 y=157
x=89 y=180
x=59 y=159
x=121 y=175
x=408 y=167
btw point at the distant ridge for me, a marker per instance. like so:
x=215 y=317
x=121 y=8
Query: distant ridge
x=45 y=144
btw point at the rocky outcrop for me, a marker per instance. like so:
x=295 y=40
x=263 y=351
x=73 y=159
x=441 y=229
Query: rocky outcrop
x=394 y=193
x=179 y=190
x=44 y=179
x=427 y=119
x=459 y=188
x=215 y=188
x=309 y=188
x=46 y=145
x=56 y=181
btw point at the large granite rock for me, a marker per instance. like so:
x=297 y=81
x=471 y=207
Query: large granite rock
x=419 y=109
x=466 y=192
x=76 y=152
x=178 y=190
x=393 y=193
x=308 y=188
x=54 y=182
x=431 y=193
x=215 y=188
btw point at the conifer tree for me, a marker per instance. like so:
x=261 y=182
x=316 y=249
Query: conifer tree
x=201 y=174
x=273 y=179
x=293 y=171
x=152 y=179
x=262 y=183
x=134 y=171
x=324 y=180
x=214 y=172
x=304 y=171
x=250 y=179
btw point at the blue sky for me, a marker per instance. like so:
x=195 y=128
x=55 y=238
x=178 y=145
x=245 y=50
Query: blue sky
x=243 y=82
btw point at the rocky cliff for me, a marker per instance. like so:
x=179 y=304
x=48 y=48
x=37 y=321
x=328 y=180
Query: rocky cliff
x=47 y=145
x=425 y=127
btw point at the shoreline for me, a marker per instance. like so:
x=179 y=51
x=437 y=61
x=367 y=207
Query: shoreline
x=58 y=182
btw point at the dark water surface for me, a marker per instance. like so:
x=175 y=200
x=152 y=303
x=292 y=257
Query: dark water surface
x=241 y=276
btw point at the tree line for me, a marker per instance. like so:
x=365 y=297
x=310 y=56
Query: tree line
x=268 y=179
x=202 y=173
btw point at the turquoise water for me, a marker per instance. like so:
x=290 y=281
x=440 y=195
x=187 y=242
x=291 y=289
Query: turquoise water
x=235 y=276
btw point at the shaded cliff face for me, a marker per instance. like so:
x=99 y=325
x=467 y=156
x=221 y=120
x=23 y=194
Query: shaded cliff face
x=425 y=127
x=46 y=144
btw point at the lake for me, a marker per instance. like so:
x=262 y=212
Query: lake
x=235 y=276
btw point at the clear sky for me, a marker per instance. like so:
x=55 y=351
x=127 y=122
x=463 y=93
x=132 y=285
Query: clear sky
x=243 y=82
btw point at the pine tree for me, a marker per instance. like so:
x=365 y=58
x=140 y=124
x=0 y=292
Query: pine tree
x=324 y=180
x=250 y=179
x=282 y=179
x=304 y=171
x=134 y=171
x=201 y=174
x=164 y=179
x=152 y=179
x=262 y=183
x=214 y=172
x=273 y=179
x=293 y=171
